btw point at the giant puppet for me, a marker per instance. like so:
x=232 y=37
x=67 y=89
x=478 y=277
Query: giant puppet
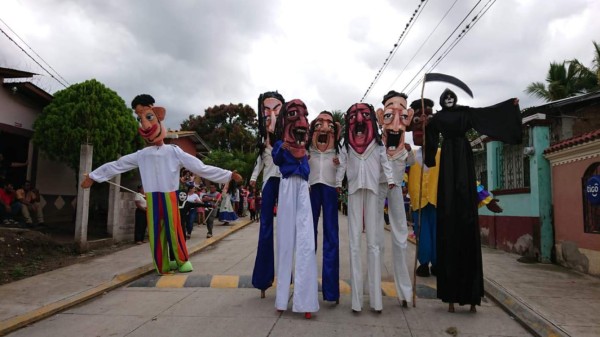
x=159 y=166
x=459 y=266
x=324 y=138
x=295 y=232
x=393 y=119
x=362 y=159
x=269 y=105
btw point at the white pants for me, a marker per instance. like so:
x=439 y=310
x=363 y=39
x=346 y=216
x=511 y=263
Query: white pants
x=295 y=236
x=399 y=226
x=359 y=202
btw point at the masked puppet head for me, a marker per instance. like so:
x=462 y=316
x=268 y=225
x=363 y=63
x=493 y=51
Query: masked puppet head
x=448 y=99
x=150 y=119
x=394 y=118
x=292 y=127
x=269 y=105
x=324 y=132
x=361 y=127
x=420 y=118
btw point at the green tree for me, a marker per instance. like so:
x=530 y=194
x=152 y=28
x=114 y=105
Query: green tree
x=243 y=162
x=596 y=61
x=228 y=127
x=89 y=113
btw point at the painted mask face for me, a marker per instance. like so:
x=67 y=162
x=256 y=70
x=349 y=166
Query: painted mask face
x=394 y=120
x=325 y=132
x=182 y=196
x=419 y=119
x=295 y=127
x=449 y=101
x=361 y=131
x=272 y=106
x=150 y=119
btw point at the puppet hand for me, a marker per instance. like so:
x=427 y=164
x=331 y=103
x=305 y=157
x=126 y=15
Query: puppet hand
x=336 y=161
x=494 y=207
x=391 y=186
x=87 y=182
x=516 y=101
x=285 y=146
x=338 y=190
x=252 y=183
x=236 y=176
x=407 y=146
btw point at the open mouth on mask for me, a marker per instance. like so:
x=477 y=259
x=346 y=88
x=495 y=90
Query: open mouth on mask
x=359 y=129
x=299 y=135
x=393 y=139
x=323 y=138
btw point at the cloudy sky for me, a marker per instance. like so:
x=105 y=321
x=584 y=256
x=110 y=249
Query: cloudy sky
x=191 y=55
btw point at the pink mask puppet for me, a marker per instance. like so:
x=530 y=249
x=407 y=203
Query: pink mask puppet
x=292 y=126
x=150 y=119
x=271 y=108
x=325 y=133
x=394 y=119
x=361 y=131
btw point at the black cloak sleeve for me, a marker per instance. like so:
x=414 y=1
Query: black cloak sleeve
x=501 y=121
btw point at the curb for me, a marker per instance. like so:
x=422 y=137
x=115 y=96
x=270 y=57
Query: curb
x=118 y=280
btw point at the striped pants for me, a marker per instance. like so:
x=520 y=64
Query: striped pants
x=164 y=230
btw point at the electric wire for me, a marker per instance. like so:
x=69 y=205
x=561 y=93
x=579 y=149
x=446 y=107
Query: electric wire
x=401 y=39
x=31 y=57
x=423 y=44
x=460 y=36
x=442 y=45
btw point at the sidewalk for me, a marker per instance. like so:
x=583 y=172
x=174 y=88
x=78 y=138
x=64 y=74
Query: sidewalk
x=550 y=300
x=32 y=299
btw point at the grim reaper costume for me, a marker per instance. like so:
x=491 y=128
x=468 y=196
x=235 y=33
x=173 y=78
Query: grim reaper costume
x=460 y=270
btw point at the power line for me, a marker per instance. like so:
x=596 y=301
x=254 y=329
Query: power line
x=31 y=57
x=460 y=36
x=423 y=44
x=442 y=45
x=401 y=38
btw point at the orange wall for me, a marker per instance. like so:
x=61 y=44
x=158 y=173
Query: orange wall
x=567 y=199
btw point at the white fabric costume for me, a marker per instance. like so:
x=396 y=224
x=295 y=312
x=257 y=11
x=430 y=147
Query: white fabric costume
x=322 y=169
x=398 y=223
x=363 y=172
x=294 y=205
x=159 y=168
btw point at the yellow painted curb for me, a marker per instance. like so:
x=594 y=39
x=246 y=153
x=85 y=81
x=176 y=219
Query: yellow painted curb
x=225 y=281
x=172 y=281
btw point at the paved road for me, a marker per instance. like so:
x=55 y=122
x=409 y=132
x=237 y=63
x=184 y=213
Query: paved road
x=217 y=300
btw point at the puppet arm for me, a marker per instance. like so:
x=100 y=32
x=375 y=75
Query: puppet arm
x=340 y=170
x=258 y=166
x=109 y=170
x=387 y=168
x=212 y=173
x=485 y=199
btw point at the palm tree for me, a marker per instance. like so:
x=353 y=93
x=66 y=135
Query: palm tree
x=568 y=79
x=562 y=82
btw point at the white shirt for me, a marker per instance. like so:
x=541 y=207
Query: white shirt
x=194 y=198
x=322 y=168
x=265 y=163
x=159 y=168
x=363 y=170
x=398 y=163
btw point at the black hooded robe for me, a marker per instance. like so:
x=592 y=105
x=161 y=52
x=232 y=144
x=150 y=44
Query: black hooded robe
x=459 y=269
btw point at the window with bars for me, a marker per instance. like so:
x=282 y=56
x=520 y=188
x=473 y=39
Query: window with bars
x=514 y=166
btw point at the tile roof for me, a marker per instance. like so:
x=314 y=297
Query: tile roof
x=567 y=143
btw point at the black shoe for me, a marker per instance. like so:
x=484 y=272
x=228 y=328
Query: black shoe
x=433 y=270
x=423 y=270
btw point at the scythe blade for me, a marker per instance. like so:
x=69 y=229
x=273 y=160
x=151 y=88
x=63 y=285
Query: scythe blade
x=437 y=77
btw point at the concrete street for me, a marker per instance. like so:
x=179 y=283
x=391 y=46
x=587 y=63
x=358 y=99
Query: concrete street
x=217 y=300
